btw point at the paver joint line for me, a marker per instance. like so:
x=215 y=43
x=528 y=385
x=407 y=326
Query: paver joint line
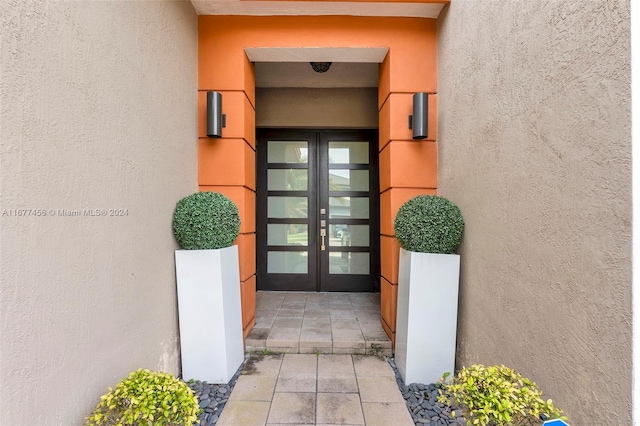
x=326 y=389
x=326 y=374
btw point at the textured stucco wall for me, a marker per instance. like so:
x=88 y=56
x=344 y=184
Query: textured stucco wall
x=98 y=112
x=535 y=148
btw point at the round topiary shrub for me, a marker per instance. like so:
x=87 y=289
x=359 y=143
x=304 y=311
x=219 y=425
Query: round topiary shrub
x=147 y=398
x=206 y=220
x=429 y=224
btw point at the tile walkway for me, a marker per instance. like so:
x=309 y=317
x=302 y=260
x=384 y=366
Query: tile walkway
x=327 y=323
x=310 y=389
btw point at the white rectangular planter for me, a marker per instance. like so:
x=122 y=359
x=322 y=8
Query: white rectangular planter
x=210 y=316
x=427 y=315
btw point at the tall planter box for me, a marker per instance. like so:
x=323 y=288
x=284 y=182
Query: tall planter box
x=427 y=315
x=209 y=308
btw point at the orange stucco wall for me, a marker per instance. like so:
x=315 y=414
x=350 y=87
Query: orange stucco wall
x=407 y=167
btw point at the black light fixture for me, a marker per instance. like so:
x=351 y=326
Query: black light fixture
x=216 y=120
x=320 y=66
x=419 y=120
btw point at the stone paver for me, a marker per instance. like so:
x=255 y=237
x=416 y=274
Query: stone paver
x=297 y=373
x=297 y=312
x=339 y=409
x=286 y=322
x=245 y=413
x=336 y=374
x=386 y=414
x=263 y=365
x=345 y=324
x=310 y=389
x=253 y=388
x=286 y=338
x=292 y=408
x=379 y=389
x=315 y=340
x=371 y=366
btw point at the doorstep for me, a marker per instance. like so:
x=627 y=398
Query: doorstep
x=327 y=323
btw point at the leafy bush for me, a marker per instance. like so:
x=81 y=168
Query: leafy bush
x=497 y=396
x=147 y=398
x=429 y=224
x=206 y=220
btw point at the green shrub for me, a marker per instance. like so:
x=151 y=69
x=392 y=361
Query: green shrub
x=147 y=398
x=206 y=220
x=497 y=396
x=429 y=224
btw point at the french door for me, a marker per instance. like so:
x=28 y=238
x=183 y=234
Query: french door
x=318 y=210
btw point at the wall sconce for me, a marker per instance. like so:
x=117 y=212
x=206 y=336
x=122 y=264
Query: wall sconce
x=419 y=120
x=216 y=120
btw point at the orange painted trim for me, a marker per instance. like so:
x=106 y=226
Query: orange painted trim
x=384 y=124
x=247 y=250
x=384 y=80
x=390 y=258
x=409 y=164
x=250 y=81
x=226 y=162
x=248 y=297
x=388 y=303
x=390 y=333
x=248 y=328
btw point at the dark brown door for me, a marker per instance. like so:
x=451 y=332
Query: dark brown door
x=318 y=210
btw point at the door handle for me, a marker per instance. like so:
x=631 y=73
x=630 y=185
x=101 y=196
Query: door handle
x=323 y=233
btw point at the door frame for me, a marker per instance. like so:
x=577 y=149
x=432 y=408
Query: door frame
x=333 y=283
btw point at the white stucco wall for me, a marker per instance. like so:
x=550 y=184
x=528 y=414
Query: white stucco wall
x=535 y=148
x=98 y=104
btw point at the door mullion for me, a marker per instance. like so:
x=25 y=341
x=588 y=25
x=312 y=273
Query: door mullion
x=320 y=204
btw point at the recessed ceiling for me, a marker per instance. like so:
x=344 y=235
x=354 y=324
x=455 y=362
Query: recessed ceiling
x=290 y=66
x=313 y=8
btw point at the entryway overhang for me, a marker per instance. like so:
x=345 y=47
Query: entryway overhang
x=317 y=54
x=394 y=8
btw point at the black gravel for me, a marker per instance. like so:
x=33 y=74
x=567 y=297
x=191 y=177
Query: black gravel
x=422 y=403
x=212 y=398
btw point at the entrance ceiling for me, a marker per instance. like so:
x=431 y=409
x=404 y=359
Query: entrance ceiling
x=290 y=67
x=412 y=8
x=300 y=74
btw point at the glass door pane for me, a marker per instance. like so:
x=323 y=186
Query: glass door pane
x=288 y=151
x=286 y=205
x=348 y=180
x=349 y=191
x=349 y=152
